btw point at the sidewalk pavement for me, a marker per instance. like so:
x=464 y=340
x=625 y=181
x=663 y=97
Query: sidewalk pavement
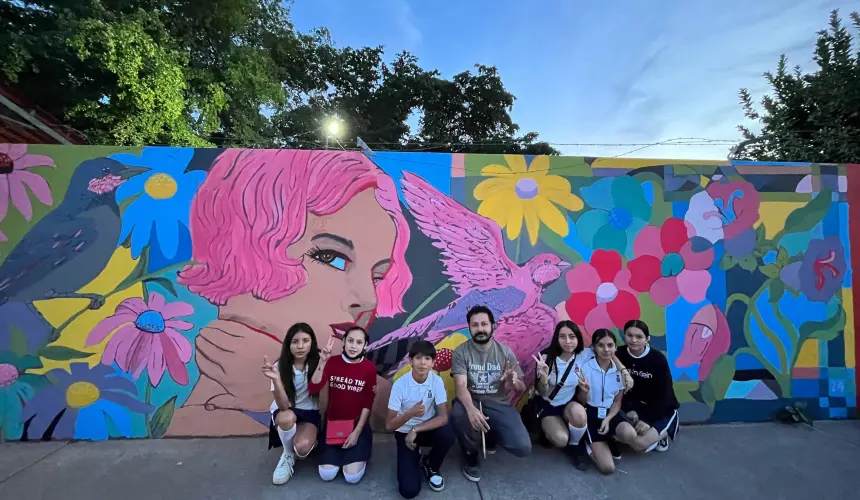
x=767 y=461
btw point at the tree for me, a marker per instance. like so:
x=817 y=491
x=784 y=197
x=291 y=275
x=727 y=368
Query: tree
x=236 y=73
x=812 y=117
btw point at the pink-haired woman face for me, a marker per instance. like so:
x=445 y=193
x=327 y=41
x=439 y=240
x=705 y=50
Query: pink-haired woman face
x=343 y=265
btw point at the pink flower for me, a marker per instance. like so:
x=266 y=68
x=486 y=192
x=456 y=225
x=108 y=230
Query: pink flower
x=14 y=162
x=147 y=336
x=707 y=338
x=669 y=261
x=724 y=210
x=601 y=294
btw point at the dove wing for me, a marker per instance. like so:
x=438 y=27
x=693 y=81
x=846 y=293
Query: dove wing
x=473 y=251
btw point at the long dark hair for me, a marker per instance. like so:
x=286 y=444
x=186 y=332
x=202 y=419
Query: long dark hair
x=554 y=350
x=285 y=362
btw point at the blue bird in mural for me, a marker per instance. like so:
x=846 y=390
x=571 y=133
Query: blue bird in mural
x=71 y=245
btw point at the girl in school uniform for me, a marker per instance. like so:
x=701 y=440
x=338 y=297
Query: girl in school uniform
x=295 y=413
x=600 y=391
x=562 y=419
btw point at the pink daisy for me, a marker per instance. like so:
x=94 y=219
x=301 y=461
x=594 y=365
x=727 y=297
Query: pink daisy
x=14 y=162
x=147 y=336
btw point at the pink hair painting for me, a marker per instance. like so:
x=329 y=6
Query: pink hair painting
x=254 y=205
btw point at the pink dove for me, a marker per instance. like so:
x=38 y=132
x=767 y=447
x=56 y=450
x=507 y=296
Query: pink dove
x=480 y=272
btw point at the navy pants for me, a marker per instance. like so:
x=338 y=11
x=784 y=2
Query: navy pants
x=410 y=476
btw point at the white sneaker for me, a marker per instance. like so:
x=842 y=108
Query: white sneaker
x=284 y=470
x=663 y=444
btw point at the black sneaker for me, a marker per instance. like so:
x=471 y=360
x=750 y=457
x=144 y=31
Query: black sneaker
x=436 y=482
x=576 y=452
x=471 y=467
x=613 y=448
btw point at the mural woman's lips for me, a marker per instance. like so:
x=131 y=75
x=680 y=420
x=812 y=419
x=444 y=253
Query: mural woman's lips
x=339 y=329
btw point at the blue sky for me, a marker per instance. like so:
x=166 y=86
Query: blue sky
x=624 y=71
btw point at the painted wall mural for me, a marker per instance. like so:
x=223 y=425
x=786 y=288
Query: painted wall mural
x=141 y=288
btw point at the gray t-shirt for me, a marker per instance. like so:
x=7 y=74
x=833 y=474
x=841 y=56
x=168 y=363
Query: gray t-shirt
x=484 y=369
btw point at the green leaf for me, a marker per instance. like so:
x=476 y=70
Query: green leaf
x=17 y=342
x=161 y=418
x=125 y=203
x=749 y=263
x=715 y=386
x=826 y=330
x=36 y=381
x=727 y=262
x=684 y=390
x=777 y=290
x=769 y=270
x=782 y=257
x=62 y=353
x=163 y=283
x=139 y=270
x=760 y=233
x=28 y=363
x=806 y=217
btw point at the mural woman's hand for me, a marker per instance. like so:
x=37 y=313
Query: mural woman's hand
x=226 y=353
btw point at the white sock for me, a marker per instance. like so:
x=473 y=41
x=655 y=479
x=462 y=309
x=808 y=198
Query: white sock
x=287 y=438
x=354 y=478
x=576 y=434
x=329 y=472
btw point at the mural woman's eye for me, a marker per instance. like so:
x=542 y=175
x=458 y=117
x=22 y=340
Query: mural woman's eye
x=331 y=258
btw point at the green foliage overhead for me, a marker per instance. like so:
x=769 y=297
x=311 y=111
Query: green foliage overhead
x=811 y=117
x=236 y=73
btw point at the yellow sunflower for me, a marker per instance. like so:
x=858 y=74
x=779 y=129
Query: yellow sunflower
x=516 y=192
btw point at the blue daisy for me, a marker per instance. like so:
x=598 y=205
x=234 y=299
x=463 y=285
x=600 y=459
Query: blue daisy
x=87 y=398
x=157 y=214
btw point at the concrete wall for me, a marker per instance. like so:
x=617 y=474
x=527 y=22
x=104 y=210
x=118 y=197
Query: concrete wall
x=140 y=289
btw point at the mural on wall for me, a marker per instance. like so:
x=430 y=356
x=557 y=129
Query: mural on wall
x=141 y=288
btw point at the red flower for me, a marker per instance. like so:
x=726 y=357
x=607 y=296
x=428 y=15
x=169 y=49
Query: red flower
x=601 y=295
x=444 y=358
x=671 y=262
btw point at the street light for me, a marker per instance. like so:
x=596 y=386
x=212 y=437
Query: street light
x=333 y=128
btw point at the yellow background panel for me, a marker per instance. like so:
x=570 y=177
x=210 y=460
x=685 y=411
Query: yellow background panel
x=774 y=213
x=57 y=311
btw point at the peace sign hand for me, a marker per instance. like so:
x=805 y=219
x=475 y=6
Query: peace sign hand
x=509 y=377
x=542 y=368
x=269 y=370
x=582 y=381
x=325 y=354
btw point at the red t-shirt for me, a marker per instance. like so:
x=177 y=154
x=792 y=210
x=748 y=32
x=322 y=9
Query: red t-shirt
x=350 y=388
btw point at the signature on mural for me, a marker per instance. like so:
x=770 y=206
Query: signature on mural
x=138 y=286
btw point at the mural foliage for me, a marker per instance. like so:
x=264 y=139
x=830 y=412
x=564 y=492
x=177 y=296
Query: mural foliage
x=141 y=288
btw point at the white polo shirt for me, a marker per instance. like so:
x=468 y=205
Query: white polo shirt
x=300 y=382
x=604 y=385
x=406 y=393
x=565 y=394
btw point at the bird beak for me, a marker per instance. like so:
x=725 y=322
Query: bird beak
x=130 y=172
x=563 y=264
